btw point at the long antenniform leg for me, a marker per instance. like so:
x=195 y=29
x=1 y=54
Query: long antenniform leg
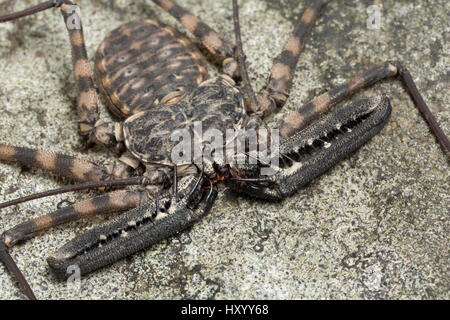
x=8 y=261
x=310 y=148
x=273 y=97
x=73 y=168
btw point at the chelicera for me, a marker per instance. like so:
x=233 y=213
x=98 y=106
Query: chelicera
x=155 y=82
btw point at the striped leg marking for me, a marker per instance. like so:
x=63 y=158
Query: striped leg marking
x=76 y=169
x=90 y=125
x=87 y=101
x=276 y=92
x=209 y=38
x=302 y=117
x=213 y=41
x=116 y=201
x=112 y=202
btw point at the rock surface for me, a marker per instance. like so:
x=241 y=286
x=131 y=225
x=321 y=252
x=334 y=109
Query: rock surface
x=374 y=227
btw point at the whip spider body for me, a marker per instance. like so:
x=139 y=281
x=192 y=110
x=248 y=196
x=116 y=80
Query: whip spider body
x=155 y=81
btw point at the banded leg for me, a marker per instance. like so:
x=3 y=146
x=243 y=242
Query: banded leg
x=213 y=41
x=87 y=102
x=276 y=92
x=303 y=116
x=309 y=147
x=76 y=169
x=116 y=201
x=90 y=125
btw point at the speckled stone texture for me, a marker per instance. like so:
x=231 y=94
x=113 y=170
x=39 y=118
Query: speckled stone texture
x=374 y=227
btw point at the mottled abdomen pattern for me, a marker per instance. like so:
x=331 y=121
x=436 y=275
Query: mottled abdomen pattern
x=216 y=104
x=141 y=62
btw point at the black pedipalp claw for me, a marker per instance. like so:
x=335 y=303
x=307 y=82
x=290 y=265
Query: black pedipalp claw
x=315 y=149
x=135 y=230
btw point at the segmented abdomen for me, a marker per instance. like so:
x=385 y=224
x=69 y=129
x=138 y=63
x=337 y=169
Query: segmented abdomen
x=141 y=62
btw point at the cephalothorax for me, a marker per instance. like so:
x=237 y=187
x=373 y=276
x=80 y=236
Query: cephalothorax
x=155 y=82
